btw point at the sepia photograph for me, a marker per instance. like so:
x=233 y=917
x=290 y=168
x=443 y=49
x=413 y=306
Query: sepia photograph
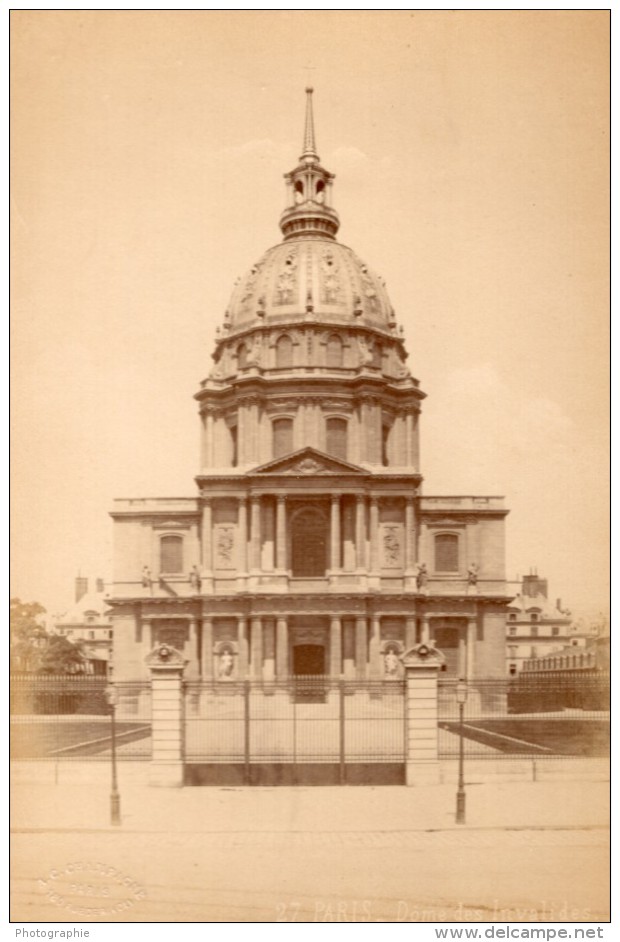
x=310 y=578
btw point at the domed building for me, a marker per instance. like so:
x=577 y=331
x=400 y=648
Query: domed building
x=309 y=548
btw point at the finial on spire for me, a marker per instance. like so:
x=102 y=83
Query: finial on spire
x=309 y=152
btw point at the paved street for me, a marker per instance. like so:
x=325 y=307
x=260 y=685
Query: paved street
x=528 y=852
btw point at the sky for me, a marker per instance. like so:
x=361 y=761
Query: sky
x=471 y=157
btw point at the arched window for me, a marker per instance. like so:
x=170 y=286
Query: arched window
x=299 y=191
x=334 y=351
x=282 y=437
x=320 y=191
x=171 y=554
x=336 y=437
x=309 y=544
x=446 y=552
x=242 y=356
x=284 y=352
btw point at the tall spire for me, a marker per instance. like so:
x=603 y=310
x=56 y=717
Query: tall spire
x=309 y=154
x=309 y=212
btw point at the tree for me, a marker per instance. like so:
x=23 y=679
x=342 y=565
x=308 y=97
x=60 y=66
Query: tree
x=33 y=649
x=28 y=636
x=60 y=656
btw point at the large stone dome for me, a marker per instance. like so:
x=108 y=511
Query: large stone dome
x=309 y=293
x=313 y=276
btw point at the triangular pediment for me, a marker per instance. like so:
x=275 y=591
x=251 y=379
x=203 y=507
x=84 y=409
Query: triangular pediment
x=308 y=461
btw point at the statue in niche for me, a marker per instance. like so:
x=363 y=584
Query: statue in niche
x=226 y=664
x=147 y=581
x=194 y=579
x=421 y=576
x=390 y=663
x=472 y=574
x=391 y=545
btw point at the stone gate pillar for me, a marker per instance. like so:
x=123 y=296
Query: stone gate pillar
x=422 y=664
x=166 y=666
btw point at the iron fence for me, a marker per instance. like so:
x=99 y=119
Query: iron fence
x=68 y=717
x=317 y=727
x=533 y=717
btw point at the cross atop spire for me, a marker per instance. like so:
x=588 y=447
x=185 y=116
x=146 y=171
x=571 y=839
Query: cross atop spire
x=309 y=154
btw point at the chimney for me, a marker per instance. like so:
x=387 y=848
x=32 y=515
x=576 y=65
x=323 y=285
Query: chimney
x=100 y=585
x=81 y=587
x=533 y=585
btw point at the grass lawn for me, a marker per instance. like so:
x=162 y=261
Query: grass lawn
x=565 y=737
x=79 y=737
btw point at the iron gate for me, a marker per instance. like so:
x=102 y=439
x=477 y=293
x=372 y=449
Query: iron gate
x=307 y=730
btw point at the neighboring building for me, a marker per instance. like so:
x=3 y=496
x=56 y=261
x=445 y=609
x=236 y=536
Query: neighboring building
x=589 y=648
x=309 y=548
x=536 y=627
x=89 y=625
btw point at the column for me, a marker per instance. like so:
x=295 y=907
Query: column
x=253 y=421
x=409 y=534
x=360 y=648
x=426 y=631
x=269 y=650
x=166 y=766
x=257 y=648
x=209 y=440
x=207 y=648
x=207 y=536
x=472 y=631
x=462 y=655
x=360 y=532
x=281 y=533
x=242 y=644
x=255 y=534
x=242 y=526
x=191 y=650
x=335 y=533
x=374 y=535
x=374 y=657
x=409 y=439
x=335 y=646
x=281 y=648
x=410 y=633
x=348 y=536
x=268 y=547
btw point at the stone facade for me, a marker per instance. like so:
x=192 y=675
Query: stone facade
x=309 y=547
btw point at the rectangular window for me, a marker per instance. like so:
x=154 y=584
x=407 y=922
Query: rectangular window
x=446 y=552
x=171 y=556
x=336 y=437
x=282 y=437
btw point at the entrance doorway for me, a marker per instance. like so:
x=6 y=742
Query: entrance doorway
x=308 y=659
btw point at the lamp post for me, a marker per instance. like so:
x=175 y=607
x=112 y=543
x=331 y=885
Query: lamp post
x=115 y=798
x=461 y=698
